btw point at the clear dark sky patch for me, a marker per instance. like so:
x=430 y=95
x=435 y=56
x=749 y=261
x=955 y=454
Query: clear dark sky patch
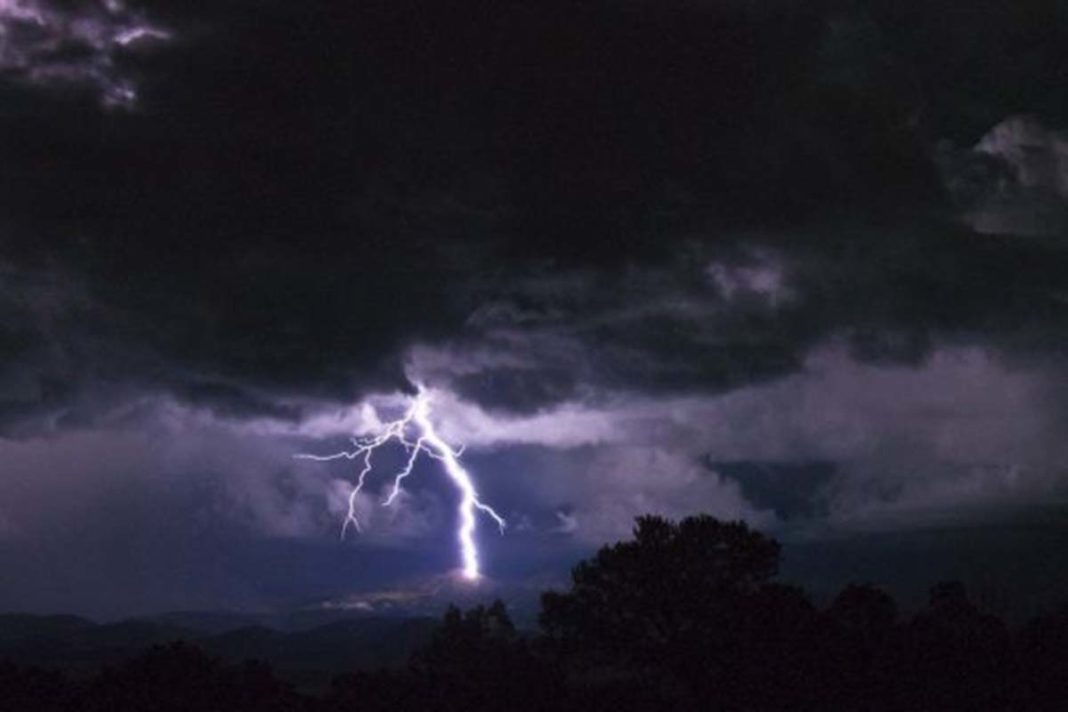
x=793 y=490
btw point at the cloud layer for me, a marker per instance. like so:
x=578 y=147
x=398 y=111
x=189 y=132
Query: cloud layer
x=75 y=46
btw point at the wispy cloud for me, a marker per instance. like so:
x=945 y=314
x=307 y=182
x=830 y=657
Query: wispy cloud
x=52 y=44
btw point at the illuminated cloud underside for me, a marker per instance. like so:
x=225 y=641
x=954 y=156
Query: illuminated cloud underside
x=424 y=441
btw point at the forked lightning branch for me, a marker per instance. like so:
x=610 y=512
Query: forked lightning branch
x=415 y=432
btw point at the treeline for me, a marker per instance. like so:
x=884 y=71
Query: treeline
x=685 y=616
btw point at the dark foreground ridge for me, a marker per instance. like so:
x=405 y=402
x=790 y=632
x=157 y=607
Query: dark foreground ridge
x=685 y=616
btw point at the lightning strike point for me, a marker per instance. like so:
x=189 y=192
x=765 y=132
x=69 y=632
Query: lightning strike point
x=427 y=442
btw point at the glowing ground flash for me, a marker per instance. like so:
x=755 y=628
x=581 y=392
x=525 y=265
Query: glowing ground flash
x=415 y=432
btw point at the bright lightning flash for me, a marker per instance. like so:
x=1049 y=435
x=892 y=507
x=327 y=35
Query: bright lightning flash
x=415 y=432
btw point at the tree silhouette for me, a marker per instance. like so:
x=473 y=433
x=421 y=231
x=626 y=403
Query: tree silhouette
x=182 y=678
x=33 y=689
x=670 y=607
x=858 y=647
x=956 y=656
x=477 y=660
x=670 y=581
x=466 y=643
x=1044 y=658
x=865 y=610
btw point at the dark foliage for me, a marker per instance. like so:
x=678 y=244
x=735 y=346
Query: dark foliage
x=685 y=616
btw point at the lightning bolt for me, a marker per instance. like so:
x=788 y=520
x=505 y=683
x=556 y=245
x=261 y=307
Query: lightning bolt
x=415 y=432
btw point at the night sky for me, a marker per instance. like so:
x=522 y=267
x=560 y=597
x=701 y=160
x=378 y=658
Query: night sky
x=799 y=262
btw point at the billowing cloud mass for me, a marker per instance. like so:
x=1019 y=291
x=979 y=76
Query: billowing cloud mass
x=1014 y=180
x=75 y=45
x=781 y=263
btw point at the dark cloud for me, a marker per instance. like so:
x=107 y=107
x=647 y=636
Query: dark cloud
x=749 y=308
x=75 y=46
x=792 y=490
x=298 y=200
x=295 y=200
x=1014 y=181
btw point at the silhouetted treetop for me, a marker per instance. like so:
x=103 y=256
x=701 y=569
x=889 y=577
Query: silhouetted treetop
x=864 y=608
x=672 y=580
x=470 y=640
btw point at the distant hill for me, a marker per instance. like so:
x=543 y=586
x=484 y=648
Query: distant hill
x=16 y=627
x=344 y=645
x=306 y=646
x=209 y=622
x=308 y=656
